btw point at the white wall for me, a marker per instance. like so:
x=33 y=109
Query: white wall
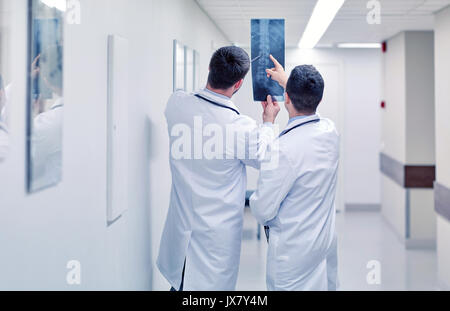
x=420 y=126
x=40 y=233
x=393 y=130
x=442 y=67
x=408 y=132
x=393 y=135
x=359 y=80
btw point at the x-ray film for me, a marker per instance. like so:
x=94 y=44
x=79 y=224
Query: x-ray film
x=267 y=38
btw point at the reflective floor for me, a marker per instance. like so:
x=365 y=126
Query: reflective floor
x=363 y=237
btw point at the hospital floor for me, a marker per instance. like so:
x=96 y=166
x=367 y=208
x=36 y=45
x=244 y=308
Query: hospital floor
x=363 y=237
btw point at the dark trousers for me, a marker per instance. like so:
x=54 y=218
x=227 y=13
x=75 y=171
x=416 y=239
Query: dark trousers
x=182 y=280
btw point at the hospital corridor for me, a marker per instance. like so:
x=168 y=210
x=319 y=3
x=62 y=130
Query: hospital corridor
x=219 y=146
x=404 y=269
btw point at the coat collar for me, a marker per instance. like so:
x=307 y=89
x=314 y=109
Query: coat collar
x=59 y=103
x=298 y=122
x=216 y=98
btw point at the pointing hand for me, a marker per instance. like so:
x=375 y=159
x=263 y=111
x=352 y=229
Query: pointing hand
x=277 y=73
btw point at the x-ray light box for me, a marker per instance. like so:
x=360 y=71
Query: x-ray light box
x=118 y=97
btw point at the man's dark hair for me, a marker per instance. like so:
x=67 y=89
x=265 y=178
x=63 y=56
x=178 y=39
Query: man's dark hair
x=305 y=88
x=228 y=65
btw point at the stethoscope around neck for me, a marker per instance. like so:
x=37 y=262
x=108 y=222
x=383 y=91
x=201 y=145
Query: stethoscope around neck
x=300 y=125
x=217 y=104
x=57 y=106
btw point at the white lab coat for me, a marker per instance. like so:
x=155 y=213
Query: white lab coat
x=205 y=217
x=297 y=201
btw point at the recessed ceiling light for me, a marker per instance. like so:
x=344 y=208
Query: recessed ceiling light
x=359 y=45
x=323 y=14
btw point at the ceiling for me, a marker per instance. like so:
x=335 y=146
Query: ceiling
x=350 y=25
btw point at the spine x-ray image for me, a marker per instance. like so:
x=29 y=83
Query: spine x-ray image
x=267 y=38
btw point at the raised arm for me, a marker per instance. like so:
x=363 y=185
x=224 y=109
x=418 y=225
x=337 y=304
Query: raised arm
x=277 y=73
x=252 y=140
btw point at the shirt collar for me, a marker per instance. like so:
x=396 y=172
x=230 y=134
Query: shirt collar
x=218 y=98
x=216 y=94
x=296 y=118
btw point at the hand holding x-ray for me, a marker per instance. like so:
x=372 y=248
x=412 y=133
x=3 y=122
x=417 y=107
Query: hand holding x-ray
x=271 y=110
x=277 y=73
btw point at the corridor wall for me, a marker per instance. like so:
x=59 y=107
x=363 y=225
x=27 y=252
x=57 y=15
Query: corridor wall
x=42 y=232
x=442 y=188
x=408 y=150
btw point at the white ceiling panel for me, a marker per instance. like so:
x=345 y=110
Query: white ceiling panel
x=350 y=25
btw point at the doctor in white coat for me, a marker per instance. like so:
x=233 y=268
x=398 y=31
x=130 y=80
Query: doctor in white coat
x=211 y=143
x=296 y=200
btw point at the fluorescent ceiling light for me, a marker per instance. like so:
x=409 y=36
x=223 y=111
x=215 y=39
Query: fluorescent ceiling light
x=322 y=16
x=58 y=4
x=359 y=45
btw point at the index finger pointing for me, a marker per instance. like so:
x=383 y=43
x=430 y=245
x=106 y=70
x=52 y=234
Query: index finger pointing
x=273 y=59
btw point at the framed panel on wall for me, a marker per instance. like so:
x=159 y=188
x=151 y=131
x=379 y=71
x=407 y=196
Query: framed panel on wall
x=190 y=69
x=45 y=94
x=178 y=66
x=186 y=68
x=196 y=70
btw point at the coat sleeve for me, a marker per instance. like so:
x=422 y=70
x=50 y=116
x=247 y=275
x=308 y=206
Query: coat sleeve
x=273 y=186
x=249 y=142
